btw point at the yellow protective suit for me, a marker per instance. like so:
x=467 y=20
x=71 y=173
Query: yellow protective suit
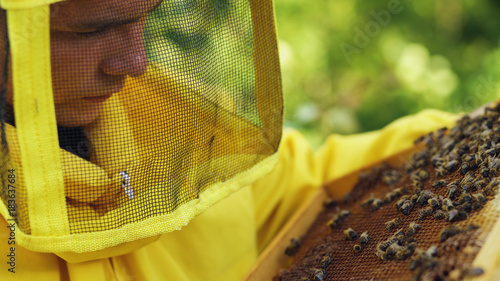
x=223 y=242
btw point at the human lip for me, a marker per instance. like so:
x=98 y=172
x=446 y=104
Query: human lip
x=98 y=99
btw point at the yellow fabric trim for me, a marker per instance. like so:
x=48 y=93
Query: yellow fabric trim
x=36 y=122
x=78 y=243
x=267 y=69
x=25 y=4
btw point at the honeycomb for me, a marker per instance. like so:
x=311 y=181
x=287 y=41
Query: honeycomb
x=447 y=187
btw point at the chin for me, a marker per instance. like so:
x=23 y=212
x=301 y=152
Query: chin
x=77 y=117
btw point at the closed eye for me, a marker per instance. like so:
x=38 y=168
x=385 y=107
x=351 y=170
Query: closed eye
x=88 y=34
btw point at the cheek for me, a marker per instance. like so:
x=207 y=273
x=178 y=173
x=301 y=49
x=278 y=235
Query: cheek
x=75 y=67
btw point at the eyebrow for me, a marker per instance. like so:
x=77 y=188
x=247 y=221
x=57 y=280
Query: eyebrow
x=104 y=24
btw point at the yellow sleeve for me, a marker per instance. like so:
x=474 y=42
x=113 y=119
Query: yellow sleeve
x=342 y=154
x=294 y=179
x=300 y=170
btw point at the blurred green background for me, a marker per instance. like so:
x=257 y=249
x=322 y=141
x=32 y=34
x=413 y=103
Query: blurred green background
x=353 y=66
x=348 y=66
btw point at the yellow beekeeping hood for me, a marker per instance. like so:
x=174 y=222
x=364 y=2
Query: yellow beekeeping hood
x=203 y=120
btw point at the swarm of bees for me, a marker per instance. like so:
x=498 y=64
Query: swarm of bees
x=325 y=261
x=470 y=154
x=338 y=218
x=392 y=223
x=351 y=234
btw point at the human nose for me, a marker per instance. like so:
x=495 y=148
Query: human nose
x=129 y=57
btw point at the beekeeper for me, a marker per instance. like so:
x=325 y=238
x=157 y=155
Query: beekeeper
x=142 y=140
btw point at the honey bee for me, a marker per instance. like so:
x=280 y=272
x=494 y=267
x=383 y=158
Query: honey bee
x=480 y=184
x=468 y=157
x=451 y=165
x=485 y=172
x=392 y=250
x=437 y=160
x=420 y=175
x=414 y=264
x=479 y=197
x=456 y=215
x=472 y=227
x=367 y=202
x=347 y=198
x=462 y=149
x=431 y=252
x=468 y=178
x=338 y=218
x=434 y=203
x=329 y=203
x=465 y=198
x=466 y=207
x=390 y=177
x=447 y=204
x=476 y=206
x=441 y=171
x=439 y=183
x=494 y=164
x=451 y=215
x=492 y=151
x=344 y=213
x=439 y=215
x=424 y=259
x=448 y=232
x=419 y=139
x=382 y=246
x=408 y=167
x=401 y=201
x=376 y=204
x=406 y=251
x=325 y=261
x=305 y=279
x=490 y=188
x=318 y=274
x=452 y=192
x=364 y=238
x=473 y=272
x=425 y=212
x=293 y=247
x=356 y=248
x=382 y=254
x=392 y=223
x=416 y=185
x=399 y=236
x=424 y=196
x=464 y=168
x=412 y=229
x=389 y=197
x=351 y=234
x=406 y=207
x=449 y=144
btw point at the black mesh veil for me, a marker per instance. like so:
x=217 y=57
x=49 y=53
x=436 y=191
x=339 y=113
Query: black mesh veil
x=162 y=108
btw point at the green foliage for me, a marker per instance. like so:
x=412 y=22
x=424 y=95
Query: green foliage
x=208 y=45
x=347 y=67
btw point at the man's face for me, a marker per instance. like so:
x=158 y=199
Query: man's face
x=95 y=45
